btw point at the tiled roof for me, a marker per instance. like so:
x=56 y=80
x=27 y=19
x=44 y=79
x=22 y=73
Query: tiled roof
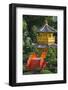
x=46 y=46
x=46 y=28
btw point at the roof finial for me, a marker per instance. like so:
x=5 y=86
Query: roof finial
x=46 y=22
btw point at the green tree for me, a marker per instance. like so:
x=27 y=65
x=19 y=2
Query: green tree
x=52 y=59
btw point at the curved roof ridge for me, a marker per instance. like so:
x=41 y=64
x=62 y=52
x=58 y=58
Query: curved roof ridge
x=42 y=28
x=52 y=28
x=47 y=28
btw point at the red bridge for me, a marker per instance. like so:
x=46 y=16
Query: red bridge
x=34 y=62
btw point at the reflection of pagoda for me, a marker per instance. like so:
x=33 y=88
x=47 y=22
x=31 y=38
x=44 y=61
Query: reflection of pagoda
x=46 y=36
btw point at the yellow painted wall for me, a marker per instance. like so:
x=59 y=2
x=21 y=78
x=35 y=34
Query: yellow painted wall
x=45 y=38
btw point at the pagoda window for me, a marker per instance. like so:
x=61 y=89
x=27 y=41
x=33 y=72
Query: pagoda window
x=49 y=35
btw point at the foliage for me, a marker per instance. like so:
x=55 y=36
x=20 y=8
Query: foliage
x=52 y=59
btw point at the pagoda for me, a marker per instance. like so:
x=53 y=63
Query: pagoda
x=46 y=36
